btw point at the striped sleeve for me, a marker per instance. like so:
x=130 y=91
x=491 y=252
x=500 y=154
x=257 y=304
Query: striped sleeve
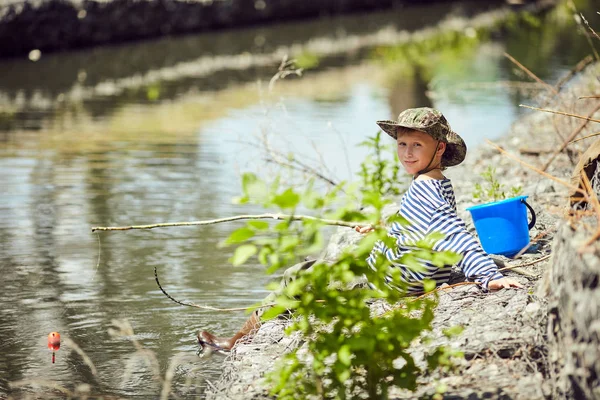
x=475 y=263
x=429 y=206
x=417 y=206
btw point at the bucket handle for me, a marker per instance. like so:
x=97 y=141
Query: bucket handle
x=532 y=222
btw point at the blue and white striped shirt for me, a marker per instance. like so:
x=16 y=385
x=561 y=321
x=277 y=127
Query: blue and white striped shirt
x=429 y=206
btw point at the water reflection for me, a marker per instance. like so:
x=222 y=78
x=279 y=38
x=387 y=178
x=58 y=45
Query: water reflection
x=51 y=266
x=171 y=67
x=123 y=159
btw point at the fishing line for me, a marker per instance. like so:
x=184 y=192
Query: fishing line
x=54 y=337
x=99 y=254
x=95 y=269
x=209 y=308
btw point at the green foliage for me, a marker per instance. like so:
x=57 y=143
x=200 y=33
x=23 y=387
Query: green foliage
x=492 y=189
x=350 y=350
x=442 y=358
x=307 y=60
x=153 y=92
x=286 y=241
x=449 y=53
x=531 y=19
x=441 y=50
x=378 y=174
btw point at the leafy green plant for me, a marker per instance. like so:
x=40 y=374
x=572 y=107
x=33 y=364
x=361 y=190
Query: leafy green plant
x=378 y=174
x=492 y=189
x=349 y=350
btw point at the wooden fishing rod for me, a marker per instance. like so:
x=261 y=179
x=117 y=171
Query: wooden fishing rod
x=280 y=217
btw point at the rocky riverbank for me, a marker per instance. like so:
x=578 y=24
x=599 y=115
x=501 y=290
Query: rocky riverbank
x=535 y=343
x=50 y=25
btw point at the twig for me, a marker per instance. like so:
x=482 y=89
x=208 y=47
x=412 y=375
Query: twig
x=441 y=288
x=572 y=135
x=285 y=68
x=597 y=96
x=531 y=74
x=279 y=157
x=344 y=145
x=538 y=237
x=302 y=168
x=585 y=137
x=541 y=82
x=421 y=295
x=270 y=151
x=588 y=118
x=589 y=39
x=319 y=153
x=593 y=199
x=533 y=152
x=500 y=84
x=524 y=265
x=578 y=67
x=543 y=173
x=523 y=272
x=588 y=25
x=229 y=219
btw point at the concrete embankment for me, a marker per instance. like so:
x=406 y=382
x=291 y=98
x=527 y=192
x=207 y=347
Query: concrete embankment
x=535 y=343
x=50 y=25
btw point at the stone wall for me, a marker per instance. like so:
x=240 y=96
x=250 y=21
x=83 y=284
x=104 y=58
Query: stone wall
x=49 y=25
x=571 y=284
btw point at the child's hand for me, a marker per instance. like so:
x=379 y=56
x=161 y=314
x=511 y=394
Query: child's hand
x=364 y=229
x=503 y=283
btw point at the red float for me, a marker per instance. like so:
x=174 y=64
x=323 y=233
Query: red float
x=54 y=343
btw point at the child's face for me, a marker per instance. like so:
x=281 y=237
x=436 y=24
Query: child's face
x=416 y=150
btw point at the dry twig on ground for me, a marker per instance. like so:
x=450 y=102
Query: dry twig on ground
x=573 y=134
x=525 y=264
x=574 y=71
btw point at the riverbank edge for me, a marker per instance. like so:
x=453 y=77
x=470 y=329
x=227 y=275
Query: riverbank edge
x=513 y=340
x=54 y=25
x=203 y=66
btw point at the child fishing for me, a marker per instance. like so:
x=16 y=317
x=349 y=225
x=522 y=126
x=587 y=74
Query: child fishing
x=426 y=147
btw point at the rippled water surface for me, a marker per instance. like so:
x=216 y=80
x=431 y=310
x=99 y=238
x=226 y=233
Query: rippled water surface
x=160 y=132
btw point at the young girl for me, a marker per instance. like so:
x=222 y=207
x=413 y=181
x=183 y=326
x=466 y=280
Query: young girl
x=426 y=146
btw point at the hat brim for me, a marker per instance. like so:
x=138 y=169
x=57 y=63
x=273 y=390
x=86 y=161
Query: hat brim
x=456 y=148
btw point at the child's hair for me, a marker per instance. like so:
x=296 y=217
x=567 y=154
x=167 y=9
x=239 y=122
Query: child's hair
x=401 y=130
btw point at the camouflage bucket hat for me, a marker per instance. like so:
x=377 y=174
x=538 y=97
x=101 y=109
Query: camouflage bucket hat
x=432 y=122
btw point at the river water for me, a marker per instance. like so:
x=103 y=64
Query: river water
x=160 y=131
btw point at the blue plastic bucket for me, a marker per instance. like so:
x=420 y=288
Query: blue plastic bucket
x=502 y=226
